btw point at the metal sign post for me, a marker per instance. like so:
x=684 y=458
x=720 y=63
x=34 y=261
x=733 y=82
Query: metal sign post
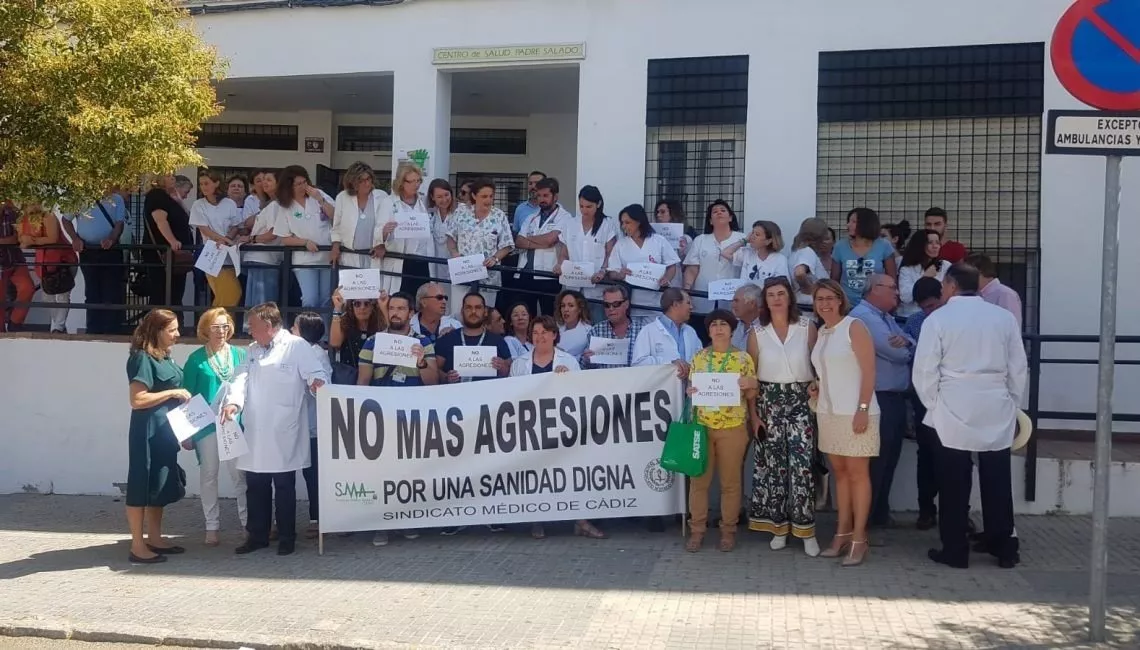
x=1106 y=366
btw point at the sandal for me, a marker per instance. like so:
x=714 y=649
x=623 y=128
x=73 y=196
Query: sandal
x=211 y=538
x=833 y=550
x=694 y=543
x=727 y=541
x=537 y=531
x=586 y=529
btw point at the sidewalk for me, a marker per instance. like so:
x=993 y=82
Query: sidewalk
x=63 y=570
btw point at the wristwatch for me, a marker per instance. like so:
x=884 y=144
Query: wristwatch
x=863 y=407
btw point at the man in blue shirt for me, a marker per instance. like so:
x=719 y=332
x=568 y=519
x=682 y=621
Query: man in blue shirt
x=524 y=210
x=893 y=353
x=95 y=235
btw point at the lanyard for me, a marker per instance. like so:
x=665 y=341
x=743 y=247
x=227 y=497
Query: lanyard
x=477 y=343
x=723 y=365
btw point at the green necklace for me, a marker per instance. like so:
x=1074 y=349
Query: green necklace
x=222 y=363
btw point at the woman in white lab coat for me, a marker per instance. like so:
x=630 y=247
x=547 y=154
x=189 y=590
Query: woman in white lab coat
x=590 y=239
x=642 y=245
x=269 y=389
x=362 y=219
x=546 y=357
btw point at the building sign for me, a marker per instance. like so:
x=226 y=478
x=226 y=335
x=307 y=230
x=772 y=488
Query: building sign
x=314 y=145
x=1094 y=133
x=509 y=54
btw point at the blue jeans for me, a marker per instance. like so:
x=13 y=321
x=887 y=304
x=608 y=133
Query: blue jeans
x=316 y=289
x=263 y=284
x=892 y=428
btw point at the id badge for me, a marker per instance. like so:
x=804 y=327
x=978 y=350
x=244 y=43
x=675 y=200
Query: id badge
x=398 y=376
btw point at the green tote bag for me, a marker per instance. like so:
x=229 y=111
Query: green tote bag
x=686 y=449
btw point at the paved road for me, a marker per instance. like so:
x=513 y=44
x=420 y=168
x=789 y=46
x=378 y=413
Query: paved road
x=35 y=643
x=63 y=568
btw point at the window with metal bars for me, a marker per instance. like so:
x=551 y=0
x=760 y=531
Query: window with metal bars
x=272 y=137
x=695 y=114
x=364 y=138
x=510 y=189
x=489 y=141
x=977 y=158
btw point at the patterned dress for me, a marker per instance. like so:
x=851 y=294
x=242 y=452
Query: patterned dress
x=783 y=483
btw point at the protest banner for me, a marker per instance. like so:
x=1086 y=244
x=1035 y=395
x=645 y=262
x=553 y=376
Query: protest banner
x=549 y=447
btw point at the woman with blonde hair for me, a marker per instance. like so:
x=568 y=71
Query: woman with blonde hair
x=847 y=413
x=208 y=373
x=407 y=203
x=56 y=266
x=361 y=221
x=154 y=479
x=572 y=315
x=217 y=219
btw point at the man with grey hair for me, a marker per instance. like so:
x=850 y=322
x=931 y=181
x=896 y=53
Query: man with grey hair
x=893 y=353
x=669 y=338
x=431 y=320
x=617 y=325
x=746 y=307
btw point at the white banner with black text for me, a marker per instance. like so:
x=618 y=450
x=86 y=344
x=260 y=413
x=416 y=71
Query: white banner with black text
x=548 y=447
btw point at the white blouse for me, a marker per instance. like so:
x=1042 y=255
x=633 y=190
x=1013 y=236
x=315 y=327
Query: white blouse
x=757 y=270
x=908 y=277
x=655 y=249
x=424 y=246
x=582 y=246
x=705 y=253
x=787 y=361
x=305 y=221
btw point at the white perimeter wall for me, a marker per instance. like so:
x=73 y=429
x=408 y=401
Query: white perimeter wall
x=71 y=438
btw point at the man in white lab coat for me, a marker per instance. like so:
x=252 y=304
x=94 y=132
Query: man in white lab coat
x=269 y=388
x=669 y=338
x=970 y=372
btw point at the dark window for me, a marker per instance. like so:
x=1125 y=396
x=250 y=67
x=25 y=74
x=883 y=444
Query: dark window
x=695 y=91
x=510 y=189
x=901 y=157
x=695 y=111
x=932 y=82
x=492 y=141
x=274 y=137
x=364 y=138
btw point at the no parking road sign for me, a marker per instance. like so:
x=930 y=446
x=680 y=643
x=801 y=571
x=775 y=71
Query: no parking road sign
x=1096 y=53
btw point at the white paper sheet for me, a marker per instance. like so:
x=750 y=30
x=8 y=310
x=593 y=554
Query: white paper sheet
x=212 y=258
x=474 y=360
x=577 y=274
x=725 y=289
x=394 y=350
x=610 y=352
x=468 y=268
x=359 y=284
x=412 y=225
x=716 y=388
x=190 y=418
x=646 y=274
x=231 y=440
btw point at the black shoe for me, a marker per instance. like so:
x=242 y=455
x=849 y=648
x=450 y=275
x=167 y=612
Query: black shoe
x=1009 y=561
x=926 y=521
x=494 y=528
x=250 y=547
x=655 y=525
x=286 y=547
x=941 y=558
x=452 y=530
x=170 y=550
x=158 y=559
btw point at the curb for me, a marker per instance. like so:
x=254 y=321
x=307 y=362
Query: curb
x=257 y=642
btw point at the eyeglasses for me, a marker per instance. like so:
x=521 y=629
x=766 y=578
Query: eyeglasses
x=220 y=328
x=357 y=304
x=438 y=296
x=613 y=305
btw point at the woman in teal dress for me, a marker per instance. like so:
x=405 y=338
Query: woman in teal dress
x=208 y=371
x=154 y=479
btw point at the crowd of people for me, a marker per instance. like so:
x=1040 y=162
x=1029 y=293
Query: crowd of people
x=835 y=342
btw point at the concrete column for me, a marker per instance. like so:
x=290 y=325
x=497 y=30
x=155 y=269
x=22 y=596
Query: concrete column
x=421 y=118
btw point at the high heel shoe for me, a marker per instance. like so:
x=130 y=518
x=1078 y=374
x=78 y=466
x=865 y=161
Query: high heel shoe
x=833 y=550
x=851 y=560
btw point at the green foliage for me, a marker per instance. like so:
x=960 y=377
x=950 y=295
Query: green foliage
x=96 y=93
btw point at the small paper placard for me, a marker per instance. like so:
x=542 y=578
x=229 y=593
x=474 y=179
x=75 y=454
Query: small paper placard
x=190 y=418
x=646 y=274
x=716 y=388
x=475 y=360
x=577 y=274
x=212 y=258
x=360 y=284
x=412 y=225
x=468 y=268
x=672 y=232
x=231 y=440
x=609 y=352
x=725 y=289
x=394 y=350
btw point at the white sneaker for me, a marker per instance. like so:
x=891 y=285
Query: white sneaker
x=380 y=539
x=411 y=535
x=811 y=547
x=778 y=542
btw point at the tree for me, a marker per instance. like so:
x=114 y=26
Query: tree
x=98 y=93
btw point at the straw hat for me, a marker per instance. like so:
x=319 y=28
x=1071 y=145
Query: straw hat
x=1024 y=430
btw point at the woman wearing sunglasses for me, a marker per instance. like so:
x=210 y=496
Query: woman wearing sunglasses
x=353 y=322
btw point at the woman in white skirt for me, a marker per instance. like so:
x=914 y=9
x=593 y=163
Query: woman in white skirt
x=848 y=416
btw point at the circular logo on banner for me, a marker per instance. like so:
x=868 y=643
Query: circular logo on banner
x=657 y=477
x=1096 y=53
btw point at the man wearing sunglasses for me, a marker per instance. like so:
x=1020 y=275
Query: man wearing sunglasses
x=617 y=325
x=431 y=320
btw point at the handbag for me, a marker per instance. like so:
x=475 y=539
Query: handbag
x=61 y=279
x=138 y=277
x=686 y=449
